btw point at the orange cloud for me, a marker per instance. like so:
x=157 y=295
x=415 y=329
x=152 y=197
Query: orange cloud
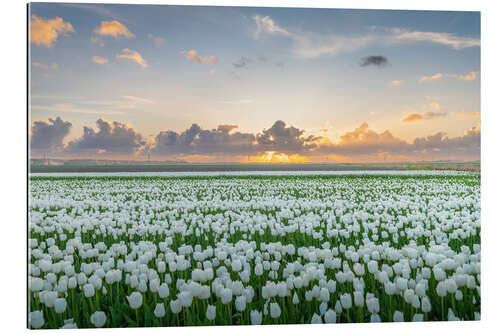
x=431 y=78
x=114 y=29
x=99 y=60
x=44 y=32
x=134 y=56
x=158 y=40
x=395 y=83
x=192 y=55
x=467 y=77
x=413 y=117
x=471 y=114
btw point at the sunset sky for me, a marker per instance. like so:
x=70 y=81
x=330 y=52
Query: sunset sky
x=253 y=84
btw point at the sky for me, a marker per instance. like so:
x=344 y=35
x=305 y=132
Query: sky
x=243 y=84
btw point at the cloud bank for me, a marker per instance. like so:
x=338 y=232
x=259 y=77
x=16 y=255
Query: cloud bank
x=115 y=138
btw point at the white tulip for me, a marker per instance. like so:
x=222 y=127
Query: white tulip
x=398 y=316
x=36 y=319
x=210 y=314
x=175 y=306
x=240 y=303
x=274 y=310
x=256 y=317
x=98 y=319
x=316 y=319
x=295 y=299
x=330 y=317
x=346 y=301
x=60 y=305
x=135 y=300
x=159 y=311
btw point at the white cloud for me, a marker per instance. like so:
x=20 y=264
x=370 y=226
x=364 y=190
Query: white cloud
x=308 y=45
x=138 y=99
x=265 y=25
x=443 y=38
x=72 y=108
x=238 y=102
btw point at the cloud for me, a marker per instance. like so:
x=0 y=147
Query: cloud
x=242 y=62
x=238 y=102
x=467 y=77
x=414 y=117
x=158 y=40
x=226 y=128
x=98 y=40
x=114 y=29
x=265 y=25
x=44 y=66
x=434 y=77
x=48 y=136
x=286 y=139
x=44 y=32
x=111 y=137
x=440 y=145
x=192 y=55
x=308 y=45
x=364 y=142
x=443 y=38
x=138 y=99
x=396 y=83
x=377 y=61
x=132 y=55
x=195 y=140
x=436 y=106
x=99 y=60
x=224 y=140
x=280 y=140
x=72 y=108
x=462 y=113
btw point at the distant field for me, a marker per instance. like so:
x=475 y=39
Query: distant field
x=255 y=167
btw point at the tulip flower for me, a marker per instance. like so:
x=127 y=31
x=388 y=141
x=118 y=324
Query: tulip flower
x=36 y=319
x=256 y=317
x=159 y=311
x=210 y=313
x=135 y=300
x=98 y=319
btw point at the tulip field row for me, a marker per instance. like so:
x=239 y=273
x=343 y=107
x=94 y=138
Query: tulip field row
x=233 y=250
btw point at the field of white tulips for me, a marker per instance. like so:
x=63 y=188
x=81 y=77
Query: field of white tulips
x=231 y=250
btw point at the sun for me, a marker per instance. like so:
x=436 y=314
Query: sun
x=274 y=157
